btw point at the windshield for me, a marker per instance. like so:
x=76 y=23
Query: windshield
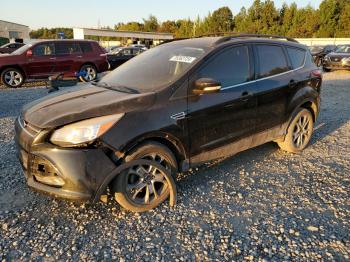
x=21 y=50
x=316 y=48
x=155 y=68
x=5 y=45
x=343 y=49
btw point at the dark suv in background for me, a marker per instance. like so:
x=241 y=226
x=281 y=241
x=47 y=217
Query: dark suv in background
x=337 y=60
x=45 y=58
x=180 y=104
x=319 y=52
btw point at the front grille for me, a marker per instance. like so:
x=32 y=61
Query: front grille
x=44 y=172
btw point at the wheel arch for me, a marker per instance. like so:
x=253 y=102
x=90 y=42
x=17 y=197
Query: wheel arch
x=167 y=140
x=13 y=66
x=89 y=63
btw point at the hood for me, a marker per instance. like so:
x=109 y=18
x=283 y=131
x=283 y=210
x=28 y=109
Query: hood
x=82 y=103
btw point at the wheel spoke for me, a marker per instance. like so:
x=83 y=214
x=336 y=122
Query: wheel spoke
x=147 y=195
x=154 y=191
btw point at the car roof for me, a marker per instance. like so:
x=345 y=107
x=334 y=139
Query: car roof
x=36 y=41
x=213 y=42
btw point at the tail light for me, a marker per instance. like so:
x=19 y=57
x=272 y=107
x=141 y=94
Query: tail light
x=316 y=73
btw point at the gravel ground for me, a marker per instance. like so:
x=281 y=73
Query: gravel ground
x=262 y=204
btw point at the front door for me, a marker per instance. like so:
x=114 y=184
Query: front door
x=42 y=62
x=219 y=119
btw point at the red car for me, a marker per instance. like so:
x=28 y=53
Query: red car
x=45 y=58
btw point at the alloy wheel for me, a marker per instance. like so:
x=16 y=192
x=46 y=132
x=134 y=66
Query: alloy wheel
x=145 y=184
x=90 y=73
x=302 y=131
x=13 y=78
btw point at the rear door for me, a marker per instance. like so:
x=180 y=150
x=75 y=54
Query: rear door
x=274 y=83
x=42 y=62
x=67 y=53
x=216 y=120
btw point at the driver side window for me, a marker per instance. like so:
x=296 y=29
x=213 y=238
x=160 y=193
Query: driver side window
x=44 y=49
x=230 y=67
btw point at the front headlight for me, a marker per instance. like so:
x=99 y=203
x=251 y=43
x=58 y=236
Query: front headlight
x=84 y=131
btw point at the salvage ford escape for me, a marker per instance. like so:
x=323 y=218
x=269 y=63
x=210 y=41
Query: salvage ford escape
x=181 y=104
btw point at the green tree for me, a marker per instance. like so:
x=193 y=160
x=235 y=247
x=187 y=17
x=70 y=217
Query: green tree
x=222 y=20
x=329 y=16
x=130 y=26
x=150 y=24
x=343 y=29
x=168 y=27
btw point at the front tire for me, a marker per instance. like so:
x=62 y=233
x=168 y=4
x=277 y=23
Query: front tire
x=143 y=188
x=12 y=77
x=91 y=73
x=299 y=132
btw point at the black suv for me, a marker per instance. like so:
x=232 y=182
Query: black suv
x=181 y=104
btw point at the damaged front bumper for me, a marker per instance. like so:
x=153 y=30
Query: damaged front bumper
x=74 y=174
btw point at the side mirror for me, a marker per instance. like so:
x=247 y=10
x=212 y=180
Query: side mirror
x=29 y=53
x=206 y=86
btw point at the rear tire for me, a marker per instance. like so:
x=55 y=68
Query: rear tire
x=91 y=73
x=299 y=132
x=120 y=186
x=12 y=77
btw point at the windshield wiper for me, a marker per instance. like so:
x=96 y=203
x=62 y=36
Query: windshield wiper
x=119 y=88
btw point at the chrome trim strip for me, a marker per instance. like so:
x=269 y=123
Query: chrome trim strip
x=264 y=78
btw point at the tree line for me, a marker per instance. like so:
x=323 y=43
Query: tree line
x=330 y=19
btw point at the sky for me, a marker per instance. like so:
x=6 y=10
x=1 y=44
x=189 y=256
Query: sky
x=91 y=13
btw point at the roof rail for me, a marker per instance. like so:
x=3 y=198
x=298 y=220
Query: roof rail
x=230 y=37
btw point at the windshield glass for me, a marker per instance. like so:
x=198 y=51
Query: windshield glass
x=21 y=50
x=154 y=68
x=316 y=48
x=343 y=49
x=5 y=45
x=115 y=51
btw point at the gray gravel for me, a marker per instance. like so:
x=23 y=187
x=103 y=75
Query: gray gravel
x=261 y=204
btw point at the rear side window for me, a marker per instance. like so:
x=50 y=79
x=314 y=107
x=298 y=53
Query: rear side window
x=230 y=67
x=67 y=48
x=86 y=47
x=309 y=61
x=296 y=56
x=272 y=60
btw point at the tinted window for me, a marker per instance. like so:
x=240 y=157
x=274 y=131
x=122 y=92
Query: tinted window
x=86 y=47
x=230 y=67
x=44 y=49
x=272 y=60
x=67 y=48
x=309 y=61
x=296 y=56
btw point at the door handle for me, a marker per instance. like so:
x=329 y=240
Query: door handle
x=245 y=96
x=292 y=83
x=79 y=56
x=52 y=58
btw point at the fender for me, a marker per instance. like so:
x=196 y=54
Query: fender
x=306 y=97
x=172 y=141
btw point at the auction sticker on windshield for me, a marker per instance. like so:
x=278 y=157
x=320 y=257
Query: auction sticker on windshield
x=183 y=59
